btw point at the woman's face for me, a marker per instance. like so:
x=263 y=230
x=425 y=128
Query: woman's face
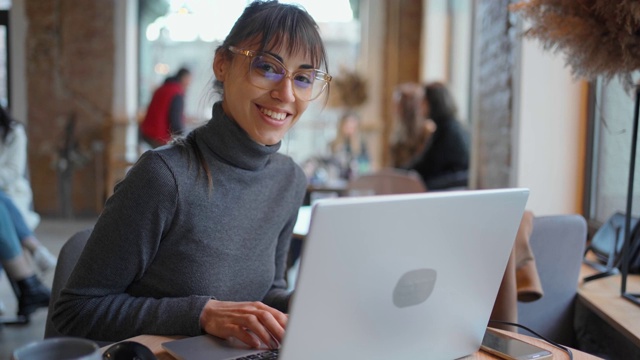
x=266 y=115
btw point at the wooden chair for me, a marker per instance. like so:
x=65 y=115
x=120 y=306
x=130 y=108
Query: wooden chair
x=387 y=181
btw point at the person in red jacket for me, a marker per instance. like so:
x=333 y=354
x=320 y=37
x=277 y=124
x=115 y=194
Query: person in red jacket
x=165 y=114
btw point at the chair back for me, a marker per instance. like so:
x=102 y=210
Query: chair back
x=67 y=259
x=558 y=243
x=388 y=181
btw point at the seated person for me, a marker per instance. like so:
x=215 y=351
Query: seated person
x=15 y=190
x=194 y=239
x=32 y=293
x=411 y=129
x=348 y=149
x=43 y=258
x=444 y=162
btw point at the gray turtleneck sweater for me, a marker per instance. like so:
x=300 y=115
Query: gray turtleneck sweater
x=167 y=242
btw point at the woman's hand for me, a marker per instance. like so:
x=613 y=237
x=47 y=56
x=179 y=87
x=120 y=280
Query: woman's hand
x=227 y=319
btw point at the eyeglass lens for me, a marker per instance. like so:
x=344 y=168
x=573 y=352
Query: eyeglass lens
x=267 y=72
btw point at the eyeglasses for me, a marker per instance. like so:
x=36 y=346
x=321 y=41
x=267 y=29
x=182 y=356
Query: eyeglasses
x=266 y=72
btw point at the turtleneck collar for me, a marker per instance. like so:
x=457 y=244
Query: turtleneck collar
x=224 y=137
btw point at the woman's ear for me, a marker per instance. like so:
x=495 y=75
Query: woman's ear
x=220 y=66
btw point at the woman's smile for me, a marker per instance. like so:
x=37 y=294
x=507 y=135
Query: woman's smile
x=274 y=117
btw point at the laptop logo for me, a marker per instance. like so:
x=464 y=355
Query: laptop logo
x=414 y=287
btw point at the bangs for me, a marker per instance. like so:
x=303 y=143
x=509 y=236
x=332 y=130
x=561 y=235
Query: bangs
x=286 y=35
x=279 y=27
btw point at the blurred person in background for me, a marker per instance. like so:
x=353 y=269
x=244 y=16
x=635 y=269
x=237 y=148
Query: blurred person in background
x=412 y=129
x=165 y=114
x=32 y=293
x=15 y=189
x=444 y=160
x=348 y=149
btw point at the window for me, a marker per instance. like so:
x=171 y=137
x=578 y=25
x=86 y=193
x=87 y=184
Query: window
x=612 y=124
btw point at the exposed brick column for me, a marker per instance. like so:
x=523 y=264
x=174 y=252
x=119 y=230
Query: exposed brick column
x=70 y=70
x=492 y=86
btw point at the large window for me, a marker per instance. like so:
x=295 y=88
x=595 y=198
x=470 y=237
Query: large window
x=613 y=108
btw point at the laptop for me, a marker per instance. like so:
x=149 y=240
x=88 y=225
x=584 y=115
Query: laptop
x=410 y=276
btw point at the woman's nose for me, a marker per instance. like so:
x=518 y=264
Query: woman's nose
x=284 y=90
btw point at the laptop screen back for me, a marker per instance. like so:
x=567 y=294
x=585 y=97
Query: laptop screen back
x=401 y=276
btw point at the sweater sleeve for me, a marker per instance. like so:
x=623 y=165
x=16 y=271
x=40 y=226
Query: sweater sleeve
x=278 y=296
x=95 y=303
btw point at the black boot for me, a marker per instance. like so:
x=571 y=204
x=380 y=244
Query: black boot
x=33 y=295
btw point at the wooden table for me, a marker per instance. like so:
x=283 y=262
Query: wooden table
x=155 y=344
x=602 y=296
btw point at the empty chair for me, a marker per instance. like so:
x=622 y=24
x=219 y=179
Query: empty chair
x=558 y=243
x=387 y=181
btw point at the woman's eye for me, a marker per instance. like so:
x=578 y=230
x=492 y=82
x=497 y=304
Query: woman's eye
x=304 y=78
x=267 y=67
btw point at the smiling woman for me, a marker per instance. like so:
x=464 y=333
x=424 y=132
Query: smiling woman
x=209 y=252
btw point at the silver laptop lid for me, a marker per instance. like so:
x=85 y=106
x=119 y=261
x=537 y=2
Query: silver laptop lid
x=401 y=276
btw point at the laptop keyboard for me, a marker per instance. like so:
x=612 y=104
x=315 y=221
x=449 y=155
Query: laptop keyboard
x=267 y=355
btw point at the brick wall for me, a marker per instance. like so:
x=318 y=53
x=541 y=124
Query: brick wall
x=70 y=70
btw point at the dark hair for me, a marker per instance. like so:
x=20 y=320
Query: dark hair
x=177 y=77
x=6 y=121
x=442 y=106
x=182 y=72
x=271 y=25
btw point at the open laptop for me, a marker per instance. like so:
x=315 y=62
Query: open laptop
x=411 y=276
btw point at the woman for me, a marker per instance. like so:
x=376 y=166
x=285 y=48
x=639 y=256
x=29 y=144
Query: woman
x=195 y=238
x=444 y=163
x=348 y=147
x=412 y=129
x=15 y=190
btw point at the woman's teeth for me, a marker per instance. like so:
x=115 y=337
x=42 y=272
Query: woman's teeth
x=273 y=114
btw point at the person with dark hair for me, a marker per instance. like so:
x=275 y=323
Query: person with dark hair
x=17 y=220
x=411 y=129
x=444 y=162
x=165 y=113
x=195 y=238
x=15 y=189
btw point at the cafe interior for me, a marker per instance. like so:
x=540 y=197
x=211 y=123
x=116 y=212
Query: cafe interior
x=80 y=75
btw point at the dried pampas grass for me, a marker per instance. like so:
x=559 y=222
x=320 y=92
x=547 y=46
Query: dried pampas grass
x=598 y=37
x=351 y=89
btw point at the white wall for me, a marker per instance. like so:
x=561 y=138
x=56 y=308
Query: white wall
x=125 y=88
x=371 y=62
x=447 y=35
x=550 y=119
x=435 y=35
x=18 y=85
